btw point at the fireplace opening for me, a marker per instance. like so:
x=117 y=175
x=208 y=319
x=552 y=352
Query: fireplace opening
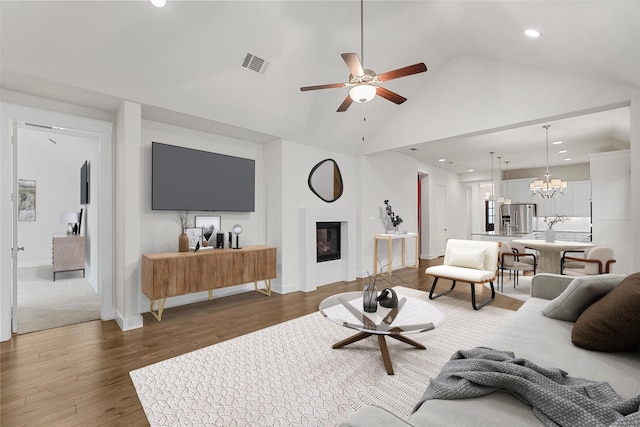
x=327 y=241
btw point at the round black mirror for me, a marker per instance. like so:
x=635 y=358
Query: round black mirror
x=325 y=180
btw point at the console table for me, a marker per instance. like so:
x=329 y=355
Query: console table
x=171 y=274
x=68 y=253
x=390 y=237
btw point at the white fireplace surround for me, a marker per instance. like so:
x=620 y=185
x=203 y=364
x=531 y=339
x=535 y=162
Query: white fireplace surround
x=314 y=274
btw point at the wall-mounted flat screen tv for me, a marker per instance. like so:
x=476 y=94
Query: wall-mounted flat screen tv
x=195 y=180
x=84 y=184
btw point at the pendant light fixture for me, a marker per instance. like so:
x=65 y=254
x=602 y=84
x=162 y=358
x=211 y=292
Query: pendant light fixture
x=492 y=197
x=500 y=198
x=507 y=199
x=549 y=188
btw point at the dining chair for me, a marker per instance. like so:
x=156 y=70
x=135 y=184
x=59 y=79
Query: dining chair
x=597 y=260
x=513 y=261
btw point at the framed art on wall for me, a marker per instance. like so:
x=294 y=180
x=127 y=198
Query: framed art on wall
x=26 y=200
x=209 y=224
x=195 y=236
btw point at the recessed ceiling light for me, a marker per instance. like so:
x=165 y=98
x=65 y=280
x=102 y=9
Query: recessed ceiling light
x=556 y=142
x=442 y=160
x=534 y=34
x=470 y=170
x=562 y=151
x=567 y=159
x=158 y=3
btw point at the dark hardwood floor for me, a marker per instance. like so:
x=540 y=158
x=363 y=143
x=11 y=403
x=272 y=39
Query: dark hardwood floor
x=79 y=375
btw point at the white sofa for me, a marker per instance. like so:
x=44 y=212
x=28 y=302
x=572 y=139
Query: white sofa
x=530 y=335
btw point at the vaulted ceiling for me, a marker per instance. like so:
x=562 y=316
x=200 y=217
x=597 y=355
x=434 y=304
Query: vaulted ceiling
x=183 y=62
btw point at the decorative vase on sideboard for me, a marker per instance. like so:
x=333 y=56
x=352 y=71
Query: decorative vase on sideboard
x=183 y=243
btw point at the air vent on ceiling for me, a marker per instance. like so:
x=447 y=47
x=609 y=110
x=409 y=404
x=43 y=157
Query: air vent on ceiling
x=254 y=63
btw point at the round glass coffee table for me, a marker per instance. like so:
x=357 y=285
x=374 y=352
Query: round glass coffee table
x=411 y=316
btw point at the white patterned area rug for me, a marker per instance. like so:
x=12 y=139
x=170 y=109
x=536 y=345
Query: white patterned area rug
x=288 y=374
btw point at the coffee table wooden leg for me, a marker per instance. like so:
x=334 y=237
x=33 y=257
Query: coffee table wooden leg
x=352 y=339
x=408 y=341
x=386 y=358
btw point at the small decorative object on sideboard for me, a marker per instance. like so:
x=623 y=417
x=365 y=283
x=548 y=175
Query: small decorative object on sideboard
x=550 y=234
x=395 y=219
x=183 y=221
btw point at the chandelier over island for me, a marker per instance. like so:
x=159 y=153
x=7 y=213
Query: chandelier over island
x=547 y=188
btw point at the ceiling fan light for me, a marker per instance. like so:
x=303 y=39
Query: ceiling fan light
x=362 y=93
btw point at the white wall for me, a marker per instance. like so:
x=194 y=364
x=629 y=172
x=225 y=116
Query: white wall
x=457 y=224
x=296 y=163
x=392 y=177
x=274 y=190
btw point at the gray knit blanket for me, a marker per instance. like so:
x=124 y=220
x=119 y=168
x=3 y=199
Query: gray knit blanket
x=557 y=399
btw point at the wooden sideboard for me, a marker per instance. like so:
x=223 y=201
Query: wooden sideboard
x=171 y=274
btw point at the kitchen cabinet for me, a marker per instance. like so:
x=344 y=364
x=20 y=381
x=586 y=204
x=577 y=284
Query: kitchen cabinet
x=611 y=196
x=517 y=190
x=580 y=197
x=574 y=203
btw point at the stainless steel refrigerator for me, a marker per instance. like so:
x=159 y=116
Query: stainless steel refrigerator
x=517 y=218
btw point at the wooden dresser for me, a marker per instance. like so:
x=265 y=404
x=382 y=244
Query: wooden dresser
x=68 y=253
x=171 y=274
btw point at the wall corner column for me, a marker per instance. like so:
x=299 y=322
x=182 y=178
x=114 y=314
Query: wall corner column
x=128 y=210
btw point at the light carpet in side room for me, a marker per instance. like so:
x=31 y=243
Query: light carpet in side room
x=288 y=374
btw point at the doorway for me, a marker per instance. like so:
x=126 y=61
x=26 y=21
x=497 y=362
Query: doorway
x=13 y=116
x=56 y=278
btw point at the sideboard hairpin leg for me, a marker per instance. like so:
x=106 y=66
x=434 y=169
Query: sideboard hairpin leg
x=158 y=314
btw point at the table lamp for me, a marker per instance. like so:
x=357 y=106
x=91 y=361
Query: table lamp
x=70 y=218
x=237 y=229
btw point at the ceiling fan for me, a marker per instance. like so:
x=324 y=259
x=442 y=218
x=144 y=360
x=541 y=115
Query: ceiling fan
x=365 y=83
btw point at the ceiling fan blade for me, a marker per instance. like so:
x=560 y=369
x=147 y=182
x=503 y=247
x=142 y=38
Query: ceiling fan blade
x=353 y=62
x=329 y=86
x=402 y=72
x=345 y=104
x=391 y=96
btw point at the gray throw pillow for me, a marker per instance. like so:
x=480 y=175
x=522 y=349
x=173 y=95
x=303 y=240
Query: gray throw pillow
x=580 y=294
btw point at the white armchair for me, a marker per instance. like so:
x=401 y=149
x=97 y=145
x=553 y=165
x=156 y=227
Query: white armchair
x=470 y=261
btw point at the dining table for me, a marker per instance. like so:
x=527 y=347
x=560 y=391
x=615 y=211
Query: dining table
x=551 y=252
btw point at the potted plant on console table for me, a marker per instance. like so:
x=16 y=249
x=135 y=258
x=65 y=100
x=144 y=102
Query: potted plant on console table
x=395 y=219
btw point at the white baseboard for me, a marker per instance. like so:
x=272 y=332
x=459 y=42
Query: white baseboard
x=128 y=324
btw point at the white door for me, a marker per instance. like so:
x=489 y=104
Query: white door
x=441 y=218
x=14 y=239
